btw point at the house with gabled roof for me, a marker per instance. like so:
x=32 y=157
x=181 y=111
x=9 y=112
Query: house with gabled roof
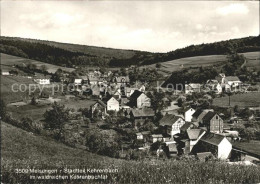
x=191 y=138
x=192 y=87
x=100 y=107
x=112 y=104
x=188 y=114
x=213 y=122
x=217 y=144
x=198 y=115
x=139 y=100
x=144 y=113
x=171 y=124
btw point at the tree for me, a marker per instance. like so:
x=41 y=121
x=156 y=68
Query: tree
x=33 y=101
x=44 y=68
x=2 y=109
x=56 y=118
x=158 y=65
x=157 y=100
x=104 y=142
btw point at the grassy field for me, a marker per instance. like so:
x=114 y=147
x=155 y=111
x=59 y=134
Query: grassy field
x=253 y=146
x=177 y=64
x=242 y=100
x=6 y=88
x=23 y=150
x=7 y=61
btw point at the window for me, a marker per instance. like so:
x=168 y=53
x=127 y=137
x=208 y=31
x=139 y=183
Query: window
x=216 y=117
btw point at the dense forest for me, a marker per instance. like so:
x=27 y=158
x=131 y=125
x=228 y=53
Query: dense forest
x=70 y=55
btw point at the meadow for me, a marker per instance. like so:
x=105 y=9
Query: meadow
x=197 y=61
x=7 y=61
x=242 y=100
x=23 y=150
x=253 y=146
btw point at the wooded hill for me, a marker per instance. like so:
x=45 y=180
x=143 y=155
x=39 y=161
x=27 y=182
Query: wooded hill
x=65 y=54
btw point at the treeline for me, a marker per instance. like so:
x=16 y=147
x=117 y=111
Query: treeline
x=248 y=44
x=48 y=54
x=76 y=55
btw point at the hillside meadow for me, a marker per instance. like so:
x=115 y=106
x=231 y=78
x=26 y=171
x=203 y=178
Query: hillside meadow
x=23 y=150
x=7 y=61
x=242 y=100
x=174 y=65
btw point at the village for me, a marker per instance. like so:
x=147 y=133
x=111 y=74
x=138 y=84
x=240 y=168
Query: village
x=162 y=122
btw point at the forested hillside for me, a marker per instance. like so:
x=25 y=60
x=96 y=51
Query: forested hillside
x=70 y=55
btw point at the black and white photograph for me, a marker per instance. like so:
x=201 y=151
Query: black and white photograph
x=120 y=91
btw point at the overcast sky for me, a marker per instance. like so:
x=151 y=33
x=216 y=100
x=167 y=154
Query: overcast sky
x=157 y=26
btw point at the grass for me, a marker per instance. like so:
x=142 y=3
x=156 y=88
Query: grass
x=6 y=88
x=242 y=100
x=21 y=149
x=7 y=61
x=197 y=61
x=253 y=146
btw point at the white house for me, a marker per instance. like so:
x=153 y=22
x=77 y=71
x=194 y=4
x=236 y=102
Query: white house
x=5 y=73
x=42 y=81
x=217 y=144
x=77 y=82
x=112 y=104
x=192 y=87
x=139 y=100
x=188 y=114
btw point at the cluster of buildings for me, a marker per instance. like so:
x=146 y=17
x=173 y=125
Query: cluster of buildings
x=218 y=85
x=198 y=132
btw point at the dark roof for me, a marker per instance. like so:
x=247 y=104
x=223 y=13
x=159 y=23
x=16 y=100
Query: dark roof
x=169 y=119
x=208 y=116
x=186 y=126
x=101 y=103
x=194 y=133
x=211 y=138
x=136 y=94
x=197 y=113
x=145 y=112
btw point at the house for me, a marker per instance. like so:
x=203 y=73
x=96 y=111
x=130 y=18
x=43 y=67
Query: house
x=139 y=100
x=214 y=85
x=112 y=104
x=157 y=138
x=171 y=108
x=95 y=89
x=121 y=80
x=228 y=82
x=100 y=108
x=172 y=150
x=213 y=122
x=188 y=114
x=192 y=137
x=198 y=115
x=144 y=113
x=171 y=124
x=5 y=73
x=117 y=94
x=77 y=82
x=84 y=79
x=93 y=80
x=217 y=144
x=142 y=138
x=192 y=87
x=233 y=81
x=186 y=126
x=142 y=135
x=42 y=81
x=129 y=91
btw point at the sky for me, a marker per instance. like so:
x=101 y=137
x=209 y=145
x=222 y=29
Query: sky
x=155 y=26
